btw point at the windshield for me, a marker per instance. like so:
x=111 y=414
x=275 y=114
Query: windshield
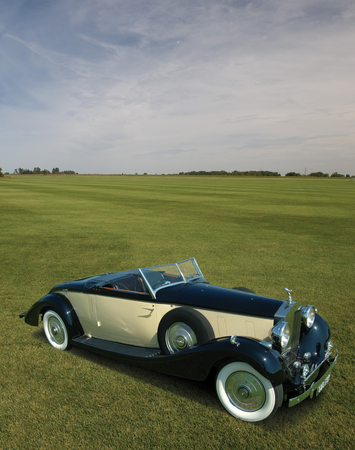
x=163 y=276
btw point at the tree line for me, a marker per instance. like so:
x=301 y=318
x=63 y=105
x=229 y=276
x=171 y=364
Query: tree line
x=262 y=173
x=38 y=171
x=250 y=173
x=318 y=174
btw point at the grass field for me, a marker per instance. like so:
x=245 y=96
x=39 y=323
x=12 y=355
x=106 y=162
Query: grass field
x=261 y=233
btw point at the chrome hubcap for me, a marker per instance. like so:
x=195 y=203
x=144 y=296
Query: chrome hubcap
x=245 y=391
x=180 y=337
x=55 y=330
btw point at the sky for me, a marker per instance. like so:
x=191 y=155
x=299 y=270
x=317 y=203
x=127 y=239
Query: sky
x=162 y=86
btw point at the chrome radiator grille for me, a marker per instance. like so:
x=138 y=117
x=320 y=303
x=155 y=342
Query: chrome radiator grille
x=294 y=319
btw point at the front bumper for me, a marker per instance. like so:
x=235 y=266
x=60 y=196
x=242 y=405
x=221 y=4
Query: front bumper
x=317 y=386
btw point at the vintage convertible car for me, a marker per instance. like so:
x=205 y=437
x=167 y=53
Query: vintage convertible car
x=263 y=351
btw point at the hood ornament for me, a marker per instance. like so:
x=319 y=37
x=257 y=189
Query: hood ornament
x=290 y=299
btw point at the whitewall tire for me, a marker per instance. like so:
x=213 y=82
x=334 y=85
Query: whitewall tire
x=246 y=394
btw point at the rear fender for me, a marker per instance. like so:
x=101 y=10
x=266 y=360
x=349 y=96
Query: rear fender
x=59 y=303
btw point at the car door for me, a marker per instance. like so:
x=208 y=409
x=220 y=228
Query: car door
x=128 y=321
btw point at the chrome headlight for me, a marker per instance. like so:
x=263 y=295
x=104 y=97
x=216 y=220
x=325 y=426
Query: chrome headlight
x=281 y=334
x=308 y=315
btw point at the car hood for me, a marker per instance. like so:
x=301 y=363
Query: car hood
x=203 y=295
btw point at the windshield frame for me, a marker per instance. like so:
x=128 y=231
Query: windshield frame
x=182 y=272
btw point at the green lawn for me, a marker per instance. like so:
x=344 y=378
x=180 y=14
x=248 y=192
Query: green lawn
x=261 y=233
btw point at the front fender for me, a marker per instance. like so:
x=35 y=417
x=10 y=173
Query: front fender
x=314 y=339
x=60 y=304
x=198 y=362
x=266 y=361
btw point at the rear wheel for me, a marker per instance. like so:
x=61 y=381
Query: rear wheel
x=246 y=394
x=56 y=330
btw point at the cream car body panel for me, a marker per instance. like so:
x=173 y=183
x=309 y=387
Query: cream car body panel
x=225 y=324
x=135 y=322
x=117 y=319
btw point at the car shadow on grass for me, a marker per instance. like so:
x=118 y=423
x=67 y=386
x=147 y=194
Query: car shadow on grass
x=199 y=391
x=202 y=392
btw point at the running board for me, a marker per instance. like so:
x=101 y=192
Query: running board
x=101 y=345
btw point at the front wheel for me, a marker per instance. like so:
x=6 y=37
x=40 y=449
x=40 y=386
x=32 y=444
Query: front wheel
x=246 y=394
x=56 y=330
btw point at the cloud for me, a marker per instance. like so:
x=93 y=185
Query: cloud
x=166 y=153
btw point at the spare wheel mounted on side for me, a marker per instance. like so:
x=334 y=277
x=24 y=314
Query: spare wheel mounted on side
x=183 y=328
